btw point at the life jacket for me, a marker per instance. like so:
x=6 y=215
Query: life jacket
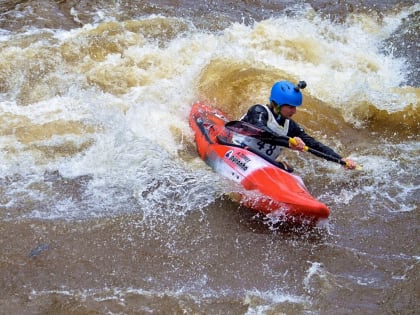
x=274 y=125
x=268 y=150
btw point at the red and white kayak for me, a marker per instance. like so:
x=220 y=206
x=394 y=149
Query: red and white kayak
x=268 y=189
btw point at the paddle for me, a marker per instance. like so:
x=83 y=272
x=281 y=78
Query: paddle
x=266 y=136
x=247 y=129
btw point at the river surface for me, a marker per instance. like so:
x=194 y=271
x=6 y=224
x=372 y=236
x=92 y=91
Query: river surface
x=105 y=206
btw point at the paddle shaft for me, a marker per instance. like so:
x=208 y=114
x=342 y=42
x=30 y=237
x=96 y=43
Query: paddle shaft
x=268 y=137
x=319 y=153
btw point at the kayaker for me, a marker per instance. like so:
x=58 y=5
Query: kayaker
x=276 y=118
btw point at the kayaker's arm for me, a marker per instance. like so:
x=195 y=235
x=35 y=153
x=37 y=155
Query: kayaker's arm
x=295 y=130
x=257 y=116
x=249 y=130
x=316 y=146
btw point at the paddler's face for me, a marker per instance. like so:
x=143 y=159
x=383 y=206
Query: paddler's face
x=287 y=111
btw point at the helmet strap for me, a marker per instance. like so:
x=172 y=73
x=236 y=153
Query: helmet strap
x=276 y=108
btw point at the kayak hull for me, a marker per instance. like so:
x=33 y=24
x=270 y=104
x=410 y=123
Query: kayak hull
x=268 y=189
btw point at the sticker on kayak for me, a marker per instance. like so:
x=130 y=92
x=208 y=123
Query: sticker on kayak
x=239 y=159
x=228 y=154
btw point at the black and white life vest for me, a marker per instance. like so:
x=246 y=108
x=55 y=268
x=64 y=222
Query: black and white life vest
x=268 y=150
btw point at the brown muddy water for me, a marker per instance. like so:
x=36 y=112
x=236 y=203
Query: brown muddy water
x=106 y=208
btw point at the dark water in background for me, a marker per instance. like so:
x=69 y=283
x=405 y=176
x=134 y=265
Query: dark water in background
x=105 y=207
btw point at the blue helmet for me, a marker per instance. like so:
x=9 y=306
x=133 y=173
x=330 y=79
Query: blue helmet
x=286 y=93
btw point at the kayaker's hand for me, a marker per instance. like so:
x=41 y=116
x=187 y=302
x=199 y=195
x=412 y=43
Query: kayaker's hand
x=350 y=164
x=297 y=144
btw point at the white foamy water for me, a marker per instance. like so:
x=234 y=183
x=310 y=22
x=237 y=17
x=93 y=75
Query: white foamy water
x=100 y=179
x=131 y=106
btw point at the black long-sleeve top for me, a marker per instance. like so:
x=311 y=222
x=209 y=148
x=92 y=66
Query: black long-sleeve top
x=257 y=115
